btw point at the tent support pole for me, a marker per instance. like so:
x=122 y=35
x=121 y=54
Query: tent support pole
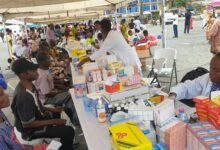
x=5 y=36
x=25 y=26
x=163 y=25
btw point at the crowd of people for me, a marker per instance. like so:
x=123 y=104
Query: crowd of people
x=43 y=69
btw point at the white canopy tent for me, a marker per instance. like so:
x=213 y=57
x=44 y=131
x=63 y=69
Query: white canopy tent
x=43 y=9
x=48 y=11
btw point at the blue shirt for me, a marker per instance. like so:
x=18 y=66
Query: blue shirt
x=3 y=84
x=8 y=140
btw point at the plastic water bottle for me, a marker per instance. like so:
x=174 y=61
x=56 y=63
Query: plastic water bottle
x=86 y=103
x=182 y=115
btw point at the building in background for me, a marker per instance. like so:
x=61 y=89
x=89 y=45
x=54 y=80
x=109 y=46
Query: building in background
x=133 y=6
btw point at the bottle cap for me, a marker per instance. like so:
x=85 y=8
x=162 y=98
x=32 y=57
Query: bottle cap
x=181 y=109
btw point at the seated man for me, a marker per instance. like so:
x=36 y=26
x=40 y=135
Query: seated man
x=31 y=118
x=8 y=139
x=202 y=85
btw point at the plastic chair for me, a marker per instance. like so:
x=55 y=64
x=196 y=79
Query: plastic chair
x=24 y=142
x=164 y=65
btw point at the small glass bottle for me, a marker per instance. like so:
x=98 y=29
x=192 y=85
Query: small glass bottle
x=115 y=107
x=118 y=109
x=122 y=106
x=126 y=109
x=182 y=115
x=110 y=109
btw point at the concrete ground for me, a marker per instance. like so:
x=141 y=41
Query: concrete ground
x=193 y=50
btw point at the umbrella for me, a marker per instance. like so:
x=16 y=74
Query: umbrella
x=215 y=3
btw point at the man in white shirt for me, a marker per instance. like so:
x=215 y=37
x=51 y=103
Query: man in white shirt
x=202 y=85
x=115 y=44
x=175 y=24
x=18 y=49
x=137 y=23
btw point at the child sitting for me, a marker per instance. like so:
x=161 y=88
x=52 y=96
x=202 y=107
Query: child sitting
x=45 y=85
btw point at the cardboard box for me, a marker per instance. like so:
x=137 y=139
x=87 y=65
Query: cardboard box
x=80 y=90
x=79 y=80
x=175 y=136
x=141 y=113
x=143 y=53
x=89 y=66
x=143 y=90
x=142 y=46
x=163 y=112
x=202 y=136
x=95 y=87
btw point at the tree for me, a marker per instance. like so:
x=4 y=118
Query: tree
x=181 y=3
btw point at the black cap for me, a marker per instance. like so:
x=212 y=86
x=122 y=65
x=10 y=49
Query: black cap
x=22 y=65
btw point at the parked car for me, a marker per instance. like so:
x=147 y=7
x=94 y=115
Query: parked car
x=169 y=17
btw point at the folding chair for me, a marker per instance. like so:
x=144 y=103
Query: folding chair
x=164 y=65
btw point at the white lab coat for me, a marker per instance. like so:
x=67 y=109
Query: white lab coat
x=116 y=45
x=189 y=89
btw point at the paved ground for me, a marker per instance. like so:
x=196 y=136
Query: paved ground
x=193 y=51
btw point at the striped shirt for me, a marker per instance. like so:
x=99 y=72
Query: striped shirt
x=8 y=140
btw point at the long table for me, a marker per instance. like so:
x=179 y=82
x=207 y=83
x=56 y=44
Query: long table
x=96 y=134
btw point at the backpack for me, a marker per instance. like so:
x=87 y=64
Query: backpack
x=194 y=74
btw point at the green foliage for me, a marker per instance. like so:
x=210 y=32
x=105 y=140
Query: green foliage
x=156 y=15
x=199 y=8
x=181 y=3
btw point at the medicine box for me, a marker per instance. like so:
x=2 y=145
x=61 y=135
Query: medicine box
x=80 y=90
x=163 y=112
x=134 y=92
x=141 y=113
x=202 y=136
x=95 y=87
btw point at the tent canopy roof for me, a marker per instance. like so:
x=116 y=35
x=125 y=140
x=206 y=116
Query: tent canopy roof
x=45 y=8
x=31 y=3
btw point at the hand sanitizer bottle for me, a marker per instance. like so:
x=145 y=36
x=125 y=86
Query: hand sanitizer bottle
x=101 y=111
